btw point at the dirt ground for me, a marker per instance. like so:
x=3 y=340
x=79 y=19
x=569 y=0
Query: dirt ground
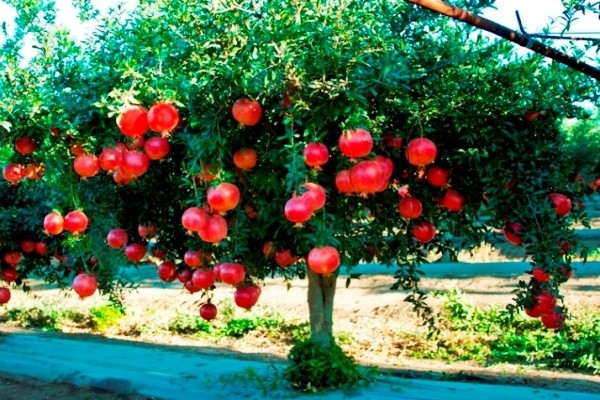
x=367 y=311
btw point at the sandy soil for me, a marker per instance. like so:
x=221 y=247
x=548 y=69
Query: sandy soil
x=367 y=311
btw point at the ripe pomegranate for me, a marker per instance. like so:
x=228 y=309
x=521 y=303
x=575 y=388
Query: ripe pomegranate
x=410 y=208
x=437 y=176
x=223 y=197
x=203 y=278
x=117 y=238
x=4 y=295
x=157 y=148
x=512 y=232
x=247 y=296
x=232 y=273
x=386 y=165
x=298 y=210
x=33 y=170
x=284 y=258
x=121 y=178
x=343 y=183
x=540 y=275
x=453 y=201
x=163 y=118
x=247 y=112
x=86 y=165
x=147 y=230
x=53 y=223
x=135 y=252
x=215 y=229
x=323 y=260
x=167 y=271
x=41 y=248
x=315 y=155
x=110 y=159
x=13 y=173
x=208 y=174
x=561 y=203
x=208 y=311
x=421 y=152
x=542 y=304
x=189 y=286
x=27 y=246
x=76 y=222
x=133 y=121
x=159 y=253
x=423 y=231
x=9 y=275
x=12 y=258
x=315 y=195
x=356 y=143
x=85 y=285
x=195 y=259
x=554 y=319
x=194 y=219
x=184 y=275
x=245 y=159
x=367 y=177
x=25 y=145
x=134 y=163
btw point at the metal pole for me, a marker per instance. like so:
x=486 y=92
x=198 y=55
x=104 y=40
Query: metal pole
x=457 y=13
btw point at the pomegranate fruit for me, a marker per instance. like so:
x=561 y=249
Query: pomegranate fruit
x=323 y=260
x=356 y=143
x=203 y=278
x=133 y=121
x=223 y=197
x=247 y=112
x=423 y=231
x=76 y=222
x=157 y=148
x=316 y=155
x=245 y=159
x=163 y=118
x=4 y=295
x=54 y=223
x=117 y=238
x=85 y=285
x=561 y=203
x=410 y=208
x=86 y=165
x=247 y=296
x=215 y=229
x=25 y=145
x=232 y=273
x=421 y=152
x=208 y=311
x=298 y=210
x=194 y=219
x=135 y=252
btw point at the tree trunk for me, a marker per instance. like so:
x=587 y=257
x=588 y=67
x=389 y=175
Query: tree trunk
x=321 y=291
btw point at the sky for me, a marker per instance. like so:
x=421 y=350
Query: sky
x=535 y=14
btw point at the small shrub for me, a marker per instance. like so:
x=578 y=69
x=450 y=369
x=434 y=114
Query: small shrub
x=105 y=316
x=185 y=324
x=46 y=319
x=314 y=368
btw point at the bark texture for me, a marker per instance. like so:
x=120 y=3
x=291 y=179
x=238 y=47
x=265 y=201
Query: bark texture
x=321 y=291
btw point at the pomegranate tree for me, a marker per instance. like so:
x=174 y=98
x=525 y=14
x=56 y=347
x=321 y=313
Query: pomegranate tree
x=225 y=153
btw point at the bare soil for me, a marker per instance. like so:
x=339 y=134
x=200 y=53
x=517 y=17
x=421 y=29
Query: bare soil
x=367 y=313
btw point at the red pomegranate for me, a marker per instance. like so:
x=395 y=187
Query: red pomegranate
x=13 y=173
x=85 y=285
x=215 y=229
x=453 y=201
x=421 y=152
x=247 y=112
x=76 y=222
x=167 y=271
x=110 y=159
x=410 y=208
x=323 y=260
x=223 y=197
x=356 y=143
x=208 y=311
x=512 y=232
x=163 y=118
x=135 y=252
x=53 y=223
x=25 y=145
x=134 y=163
x=437 y=176
x=298 y=210
x=232 y=273
x=133 y=121
x=316 y=155
x=4 y=295
x=117 y=238
x=367 y=177
x=423 y=231
x=343 y=183
x=157 y=148
x=203 y=278
x=315 y=195
x=561 y=203
x=194 y=219
x=247 y=296
x=86 y=165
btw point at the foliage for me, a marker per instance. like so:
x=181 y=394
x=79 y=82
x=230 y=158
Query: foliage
x=186 y=324
x=104 y=317
x=491 y=336
x=314 y=368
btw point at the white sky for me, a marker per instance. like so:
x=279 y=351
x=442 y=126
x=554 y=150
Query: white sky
x=535 y=14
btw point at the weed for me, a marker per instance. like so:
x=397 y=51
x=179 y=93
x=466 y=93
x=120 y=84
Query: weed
x=185 y=324
x=105 y=316
x=36 y=317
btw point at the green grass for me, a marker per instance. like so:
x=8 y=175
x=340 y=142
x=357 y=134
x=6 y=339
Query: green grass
x=491 y=336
